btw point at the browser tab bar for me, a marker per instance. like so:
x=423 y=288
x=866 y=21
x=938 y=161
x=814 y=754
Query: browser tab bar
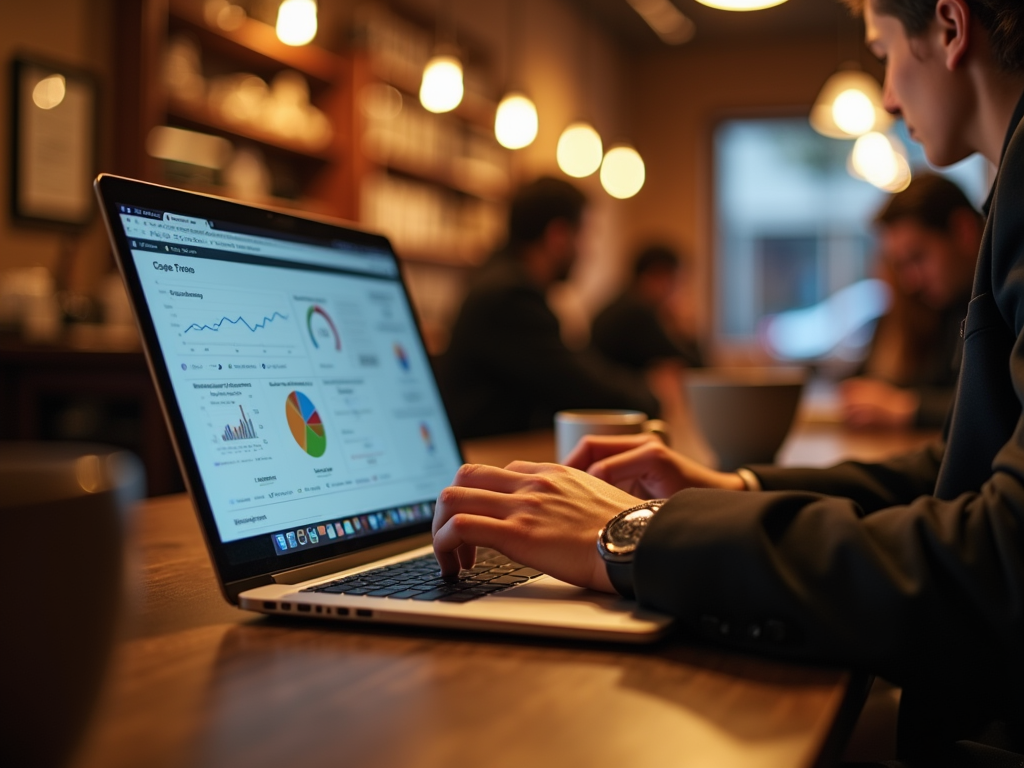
x=197 y=223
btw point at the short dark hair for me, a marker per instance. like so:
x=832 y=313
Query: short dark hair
x=539 y=203
x=655 y=257
x=930 y=200
x=1002 y=19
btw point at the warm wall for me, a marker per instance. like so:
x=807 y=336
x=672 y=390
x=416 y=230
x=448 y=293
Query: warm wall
x=77 y=32
x=676 y=99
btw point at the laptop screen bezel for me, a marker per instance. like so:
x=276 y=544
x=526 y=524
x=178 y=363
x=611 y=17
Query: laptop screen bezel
x=114 y=191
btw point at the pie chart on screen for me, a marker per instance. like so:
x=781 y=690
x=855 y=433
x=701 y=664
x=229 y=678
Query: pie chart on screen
x=305 y=424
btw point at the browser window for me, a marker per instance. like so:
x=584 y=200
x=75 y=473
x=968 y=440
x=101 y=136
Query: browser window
x=304 y=387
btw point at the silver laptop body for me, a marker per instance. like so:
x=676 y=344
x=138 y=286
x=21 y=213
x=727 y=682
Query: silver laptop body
x=306 y=418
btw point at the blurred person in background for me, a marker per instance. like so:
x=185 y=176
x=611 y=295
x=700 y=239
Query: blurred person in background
x=929 y=236
x=637 y=329
x=506 y=368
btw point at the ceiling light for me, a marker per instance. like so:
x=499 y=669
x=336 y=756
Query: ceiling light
x=622 y=172
x=441 y=89
x=49 y=92
x=741 y=5
x=296 y=21
x=666 y=20
x=579 y=150
x=876 y=160
x=849 y=105
x=515 y=122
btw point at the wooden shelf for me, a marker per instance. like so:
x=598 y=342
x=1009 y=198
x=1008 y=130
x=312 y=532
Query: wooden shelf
x=447 y=175
x=200 y=116
x=256 y=44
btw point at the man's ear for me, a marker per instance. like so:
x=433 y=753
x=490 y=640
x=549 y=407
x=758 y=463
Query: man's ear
x=954 y=20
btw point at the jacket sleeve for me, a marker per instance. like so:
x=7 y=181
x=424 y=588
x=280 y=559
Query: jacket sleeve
x=912 y=591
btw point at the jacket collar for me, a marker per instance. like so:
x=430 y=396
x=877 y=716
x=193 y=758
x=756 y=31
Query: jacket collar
x=1018 y=115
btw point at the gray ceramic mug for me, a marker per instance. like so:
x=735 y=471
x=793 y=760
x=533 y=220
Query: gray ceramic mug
x=64 y=510
x=572 y=425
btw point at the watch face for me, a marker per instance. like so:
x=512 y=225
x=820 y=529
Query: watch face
x=624 y=532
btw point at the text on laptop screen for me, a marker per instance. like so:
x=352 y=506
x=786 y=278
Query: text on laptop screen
x=301 y=379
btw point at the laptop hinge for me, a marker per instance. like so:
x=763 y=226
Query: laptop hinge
x=351 y=560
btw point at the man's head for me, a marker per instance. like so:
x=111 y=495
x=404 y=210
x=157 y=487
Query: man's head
x=932 y=50
x=929 y=236
x=654 y=273
x=544 y=225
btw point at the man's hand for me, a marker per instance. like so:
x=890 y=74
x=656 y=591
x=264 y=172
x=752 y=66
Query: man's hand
x=644 y=466
x=545 y=516
x=873 y=403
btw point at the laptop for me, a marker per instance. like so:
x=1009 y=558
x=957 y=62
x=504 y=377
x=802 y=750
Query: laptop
x=308 y=423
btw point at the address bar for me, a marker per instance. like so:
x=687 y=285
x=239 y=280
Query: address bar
x=182 y=234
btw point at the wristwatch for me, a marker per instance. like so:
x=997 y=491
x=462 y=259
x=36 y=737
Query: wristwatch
x=618 y=540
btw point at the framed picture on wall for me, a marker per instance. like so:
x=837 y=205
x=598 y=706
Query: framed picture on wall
x=53 y=142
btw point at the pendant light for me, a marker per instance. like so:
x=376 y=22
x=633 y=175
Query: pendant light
x=880 y=161
x=296 y=22
x=849 y=105
x=741 y=5
x=442 y=89
x=579 y=150
x=515 y=122
x=622 y=172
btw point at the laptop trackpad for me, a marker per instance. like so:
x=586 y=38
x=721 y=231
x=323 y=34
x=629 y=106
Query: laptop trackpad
x=550 y=588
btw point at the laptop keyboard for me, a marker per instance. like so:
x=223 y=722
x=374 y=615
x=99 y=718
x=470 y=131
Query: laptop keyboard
x=419 y=579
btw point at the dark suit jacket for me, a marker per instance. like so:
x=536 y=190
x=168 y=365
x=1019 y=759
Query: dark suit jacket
x=506 y=368
x=912 y=569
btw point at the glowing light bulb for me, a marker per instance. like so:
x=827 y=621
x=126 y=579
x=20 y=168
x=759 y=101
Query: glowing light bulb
x=49 y=92
x=741 y=5
x=441 y=89
x=874 y=160
x=579 y=150
x=853 y=112
x=515 y=123
x=296 y=21
x=622 y=172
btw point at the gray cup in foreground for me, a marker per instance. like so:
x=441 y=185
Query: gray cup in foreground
x=572 y=425
x=745 y=413
x=63 y=509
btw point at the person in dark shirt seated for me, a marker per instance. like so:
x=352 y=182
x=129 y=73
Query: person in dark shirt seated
x=506 y=368
x=633 y=330
x=929 y=236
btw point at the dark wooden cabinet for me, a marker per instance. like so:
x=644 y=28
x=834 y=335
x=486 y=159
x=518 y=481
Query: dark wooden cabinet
x=61 y=393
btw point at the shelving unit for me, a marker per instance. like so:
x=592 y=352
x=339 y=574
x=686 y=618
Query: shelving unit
x=437 y=185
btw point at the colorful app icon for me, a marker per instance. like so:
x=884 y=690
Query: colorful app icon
x=301 y=534
x=330 y=531
x=339 y=529
x=313 y=537
x=428 y=439
x=357 y=524
x=322 y=530
x=401 y=356
x=349 y=529
x=280 y=542
x=292 y=542
x=373 y=522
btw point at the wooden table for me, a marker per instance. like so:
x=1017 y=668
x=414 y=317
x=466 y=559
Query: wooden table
x=195 y=682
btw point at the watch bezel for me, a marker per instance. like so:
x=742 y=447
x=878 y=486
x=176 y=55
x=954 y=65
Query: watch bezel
x=612 y=553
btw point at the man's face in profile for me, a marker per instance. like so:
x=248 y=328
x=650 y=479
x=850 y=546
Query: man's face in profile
x=924 y=263
x=919 y=85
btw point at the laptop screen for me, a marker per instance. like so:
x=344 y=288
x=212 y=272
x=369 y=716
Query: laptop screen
x=302 y=383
